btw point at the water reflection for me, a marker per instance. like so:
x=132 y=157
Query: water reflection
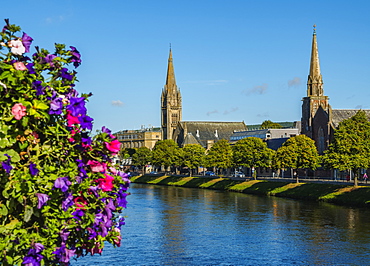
x=181 y=226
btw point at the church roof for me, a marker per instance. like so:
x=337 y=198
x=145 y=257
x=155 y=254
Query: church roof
x=189 y=139
x=205 y=131
x=338 y=115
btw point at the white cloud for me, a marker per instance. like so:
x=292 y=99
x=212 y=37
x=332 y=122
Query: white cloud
x=257 y=89
x=117 y=103
x=212 y=112
x=294 y=82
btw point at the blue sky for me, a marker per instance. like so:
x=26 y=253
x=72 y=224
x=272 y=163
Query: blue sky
x=234 y=60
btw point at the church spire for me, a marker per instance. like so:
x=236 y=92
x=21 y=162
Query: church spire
x=315 y=83
x=170 y=80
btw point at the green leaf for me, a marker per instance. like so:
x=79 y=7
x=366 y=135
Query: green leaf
x=28 y=213
x=3 y=210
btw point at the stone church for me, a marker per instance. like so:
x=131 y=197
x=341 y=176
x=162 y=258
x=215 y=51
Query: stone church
x=189 y=132
x=319 y=120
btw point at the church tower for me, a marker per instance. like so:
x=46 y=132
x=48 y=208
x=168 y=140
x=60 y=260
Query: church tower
x=171 y=103
x=316 y=110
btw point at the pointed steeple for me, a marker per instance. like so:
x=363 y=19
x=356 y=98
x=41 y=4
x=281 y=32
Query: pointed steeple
x=315 y=83
x=171 y=102
x=170 y=80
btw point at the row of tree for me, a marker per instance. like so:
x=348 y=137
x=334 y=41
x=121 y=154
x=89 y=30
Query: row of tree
x=350 y=150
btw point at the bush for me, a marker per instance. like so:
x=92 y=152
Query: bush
x=60 y=194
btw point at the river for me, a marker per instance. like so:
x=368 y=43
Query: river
x=184 y=226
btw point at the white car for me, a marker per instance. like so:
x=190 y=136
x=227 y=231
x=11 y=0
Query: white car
x=239 y=174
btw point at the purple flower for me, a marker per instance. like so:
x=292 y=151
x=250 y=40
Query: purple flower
x=65 y=74
x=67 y=202
x=30 y=68
x=63 y=183
x=49 y=59
x=36 y=85
x=64 y=235
x=43 y=198
x=78 y=214
x=63 y=254
x=85 y=122
x=33 y=169
x=6 y=164
x=106 y=130
x=76 y=57
x=34 y=257
x=77 y=106
x=56 y=106
x=26 y=40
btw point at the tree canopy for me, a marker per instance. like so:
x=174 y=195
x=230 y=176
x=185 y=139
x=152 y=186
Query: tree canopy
x=142 y=157
x=192 y=156
x=350 y=148
x=252 y=152
x=165 y=153
x=269 y=124
x=297 y=152
x=220 y=155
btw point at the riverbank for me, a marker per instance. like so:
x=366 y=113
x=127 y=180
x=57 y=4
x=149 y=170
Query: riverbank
x=333 y=193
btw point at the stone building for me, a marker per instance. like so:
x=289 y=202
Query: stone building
x=145 y=137
x=319 y=120
x=171 y=103
x=187 y=132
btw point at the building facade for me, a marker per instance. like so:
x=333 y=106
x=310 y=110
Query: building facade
x=145 y=137
x=171 y=102
x=319 y=120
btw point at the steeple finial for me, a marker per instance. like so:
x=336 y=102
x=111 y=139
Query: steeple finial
x=314 y=29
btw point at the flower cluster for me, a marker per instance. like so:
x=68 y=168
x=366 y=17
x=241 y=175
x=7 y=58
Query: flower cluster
x=61 y=193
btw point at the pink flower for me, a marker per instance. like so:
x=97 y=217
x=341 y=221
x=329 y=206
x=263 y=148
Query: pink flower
x=17 y=47
x=106 y=184
x=71 y=120
x=18 y=110
x=80 y=202
x=113 y=146
x=97 y=167
x=19 y=66
x=117 y=241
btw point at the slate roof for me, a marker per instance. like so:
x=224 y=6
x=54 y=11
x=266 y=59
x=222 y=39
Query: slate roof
x=338 y=115
x=206 y=131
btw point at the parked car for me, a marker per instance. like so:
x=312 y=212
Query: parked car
x=210 y=173
x=238 y=174
x=153 y=173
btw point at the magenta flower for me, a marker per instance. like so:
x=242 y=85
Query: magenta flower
x=97 y=167
x=72 y=120
x=113 y=146
x=26 y=40
x=43 y=198
x=106 y=184
x=19 y=110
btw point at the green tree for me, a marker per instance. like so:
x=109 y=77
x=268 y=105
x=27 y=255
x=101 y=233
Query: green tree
x=220 y=155
x=142 y=157
x=252 y=152
x=350 y=149
x=297 y=152
x=269 y=124
x=165 y=153
x=192 y=156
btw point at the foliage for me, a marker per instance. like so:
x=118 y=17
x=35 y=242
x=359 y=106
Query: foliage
x=220 y=155
x=269 y=124
x=350 y=148
x=165 y=153
x=142 y=157
x=297 y=152
x=192 y=156
x=252 y=152
x=60 y=195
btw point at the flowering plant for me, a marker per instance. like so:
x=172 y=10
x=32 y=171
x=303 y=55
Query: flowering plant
x=60 y=195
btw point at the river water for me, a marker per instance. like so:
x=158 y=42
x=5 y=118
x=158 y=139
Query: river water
x=184 y=226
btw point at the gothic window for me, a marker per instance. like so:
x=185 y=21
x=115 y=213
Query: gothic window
x=321 y=141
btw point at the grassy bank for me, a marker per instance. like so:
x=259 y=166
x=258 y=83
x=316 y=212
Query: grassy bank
x=338 y=194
